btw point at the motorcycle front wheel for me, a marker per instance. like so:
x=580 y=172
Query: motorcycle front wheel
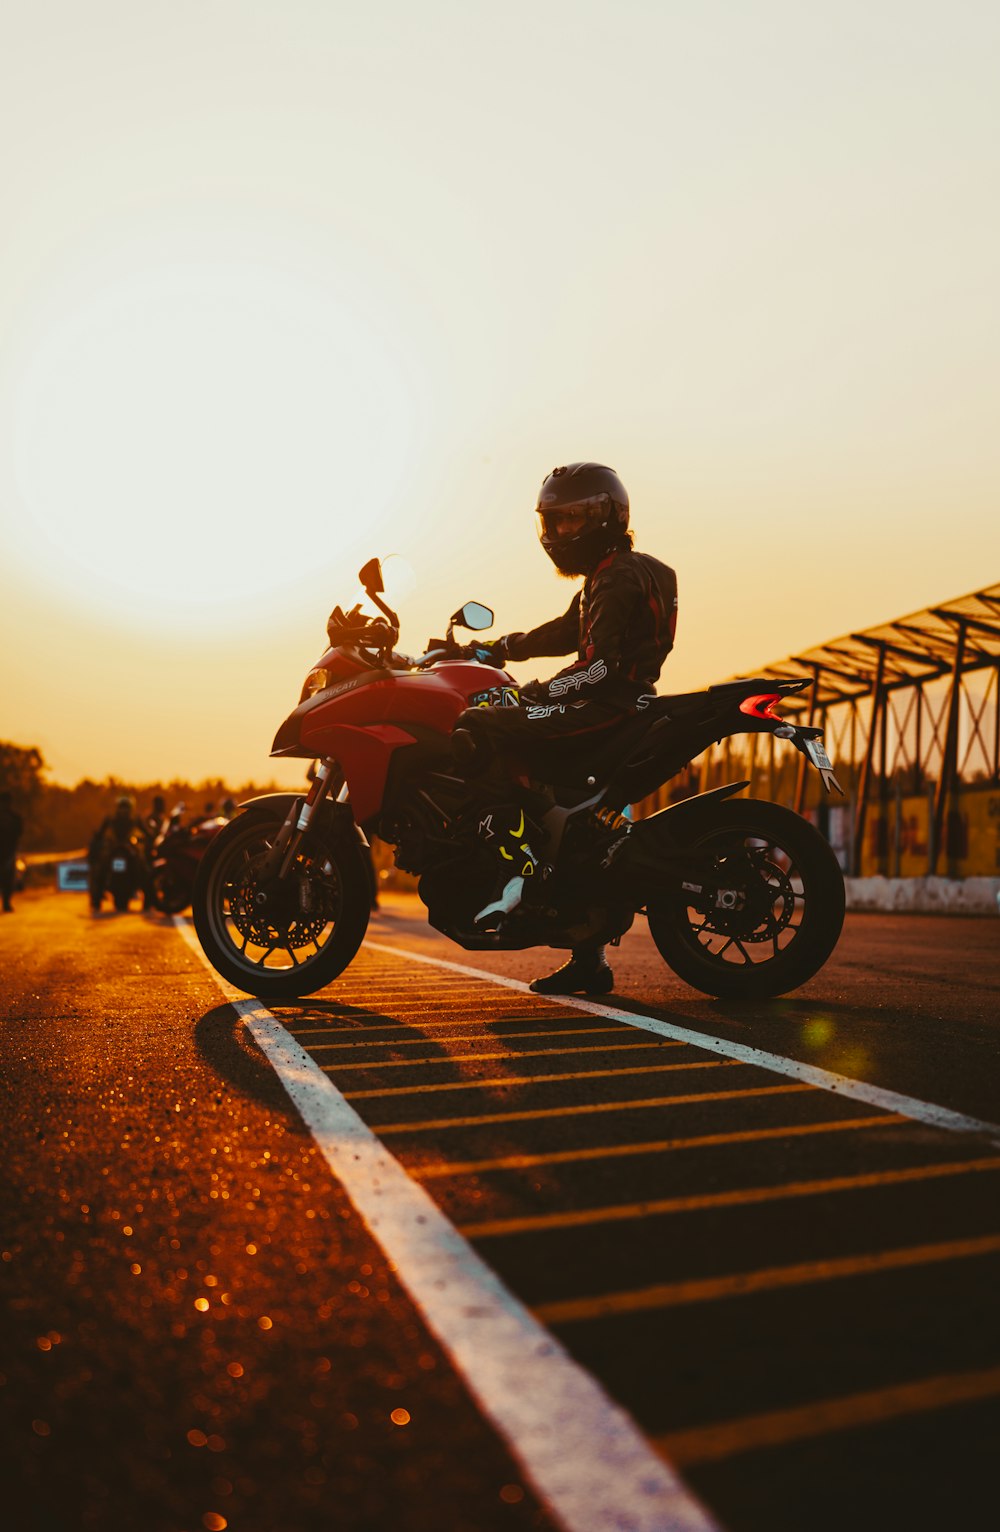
x=279 y=941
x=777 y=913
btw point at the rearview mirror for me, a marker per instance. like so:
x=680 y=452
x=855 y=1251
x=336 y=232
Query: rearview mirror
x=371 y=577
x=473 y=615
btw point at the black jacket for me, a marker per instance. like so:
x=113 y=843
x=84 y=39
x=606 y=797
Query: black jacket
x=11 y=825
x=621 y=625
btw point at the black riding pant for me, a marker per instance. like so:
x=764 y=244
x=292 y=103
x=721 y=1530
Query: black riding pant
x=535 y=740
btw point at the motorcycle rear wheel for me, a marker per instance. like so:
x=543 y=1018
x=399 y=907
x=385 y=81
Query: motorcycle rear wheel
x=325 y=916
x=171 y=895
x=790 y=897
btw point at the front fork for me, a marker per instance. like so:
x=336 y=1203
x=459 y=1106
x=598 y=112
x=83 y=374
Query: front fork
x=298 y=819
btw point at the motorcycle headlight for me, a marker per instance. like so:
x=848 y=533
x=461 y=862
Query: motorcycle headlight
x=315 y=681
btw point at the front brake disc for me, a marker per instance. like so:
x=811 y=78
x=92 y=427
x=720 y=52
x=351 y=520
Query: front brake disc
x=259 y=927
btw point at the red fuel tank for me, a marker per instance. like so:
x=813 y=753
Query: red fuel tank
x=431 y=698
x=363 y=724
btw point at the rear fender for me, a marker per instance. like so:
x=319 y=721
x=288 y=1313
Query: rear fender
x=677 y=824
x=655 y=844
x=336 y=818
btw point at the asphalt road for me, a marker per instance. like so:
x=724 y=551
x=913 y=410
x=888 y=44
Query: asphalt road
x=790 y=1290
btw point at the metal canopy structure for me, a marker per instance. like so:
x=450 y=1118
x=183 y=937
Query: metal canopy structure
x=909 y=651
x=913 y=703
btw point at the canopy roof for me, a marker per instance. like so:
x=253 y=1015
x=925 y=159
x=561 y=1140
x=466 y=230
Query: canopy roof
x=917 y=648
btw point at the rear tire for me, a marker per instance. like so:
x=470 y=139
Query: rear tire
x=170 y=894
x=326 y=925
x=792 y=913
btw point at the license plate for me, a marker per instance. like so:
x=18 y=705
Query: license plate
x=816 y=751
x=119 y=864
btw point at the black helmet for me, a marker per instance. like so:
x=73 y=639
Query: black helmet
x=598 y=495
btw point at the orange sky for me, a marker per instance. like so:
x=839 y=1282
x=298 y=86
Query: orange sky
x=281 y=290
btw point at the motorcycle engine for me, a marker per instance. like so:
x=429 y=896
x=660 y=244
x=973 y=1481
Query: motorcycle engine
x=455 y=891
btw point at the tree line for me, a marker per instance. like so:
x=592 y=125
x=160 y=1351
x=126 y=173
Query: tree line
x=64 y=818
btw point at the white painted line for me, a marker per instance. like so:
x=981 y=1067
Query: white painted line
x=589 y=1463
x=810 y=1074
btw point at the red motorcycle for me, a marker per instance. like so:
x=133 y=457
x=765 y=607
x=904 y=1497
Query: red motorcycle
x=176 y=854
x=743 y=898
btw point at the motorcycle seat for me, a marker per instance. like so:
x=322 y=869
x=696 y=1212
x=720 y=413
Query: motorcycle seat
x=570 y=762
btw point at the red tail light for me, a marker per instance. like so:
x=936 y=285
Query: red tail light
x=761 y=707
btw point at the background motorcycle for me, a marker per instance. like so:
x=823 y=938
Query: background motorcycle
x=116 y=868
x=743 y=898
x=177 y=852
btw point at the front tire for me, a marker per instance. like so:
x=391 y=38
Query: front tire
x=788 y=896
x=304 y=934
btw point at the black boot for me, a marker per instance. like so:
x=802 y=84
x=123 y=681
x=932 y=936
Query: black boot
x=587 y=973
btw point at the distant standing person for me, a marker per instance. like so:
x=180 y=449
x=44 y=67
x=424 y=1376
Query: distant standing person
x=11 y=825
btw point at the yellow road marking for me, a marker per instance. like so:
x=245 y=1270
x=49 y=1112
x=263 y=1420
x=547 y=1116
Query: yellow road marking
x=469 y=1058
x=742 y=1197
x=484 y=1120
x=578 y=1074
x=659 y=1146
x=362 y=1035
x=741 y=1283
x=777 y=1428
x=402 y=1017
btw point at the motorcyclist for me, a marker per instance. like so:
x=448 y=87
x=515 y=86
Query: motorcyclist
x=620 y=624
x=153 y=823
x=11 y=826
x=122 y=828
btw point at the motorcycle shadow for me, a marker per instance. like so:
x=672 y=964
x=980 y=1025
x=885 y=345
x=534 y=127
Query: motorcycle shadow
x=360 y=1020
x=790 y=1009
x=781 y=1008
x=226 y=1046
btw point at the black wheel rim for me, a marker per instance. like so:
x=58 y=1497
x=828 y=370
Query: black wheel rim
x=763 y=893
x=291 y=930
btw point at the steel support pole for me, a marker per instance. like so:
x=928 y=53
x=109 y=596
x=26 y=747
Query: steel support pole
x=800 y=779
x=883 y=789
x=996 y=724
x=861 y=809
x=949 y=756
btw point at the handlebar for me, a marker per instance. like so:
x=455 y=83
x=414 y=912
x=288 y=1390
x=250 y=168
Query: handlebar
x=380 y=635
x=438 y=650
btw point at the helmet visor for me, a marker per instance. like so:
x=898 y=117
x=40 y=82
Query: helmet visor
x=572 y=518
x=592 y=505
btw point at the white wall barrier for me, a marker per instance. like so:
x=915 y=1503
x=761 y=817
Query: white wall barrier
x=939 y=896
